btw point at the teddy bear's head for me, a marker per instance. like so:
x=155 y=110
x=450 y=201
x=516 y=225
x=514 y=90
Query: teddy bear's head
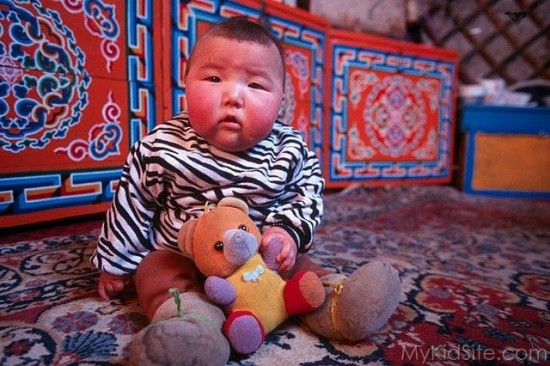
x=222 y=239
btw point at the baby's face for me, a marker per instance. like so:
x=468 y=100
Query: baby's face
x=234 y=91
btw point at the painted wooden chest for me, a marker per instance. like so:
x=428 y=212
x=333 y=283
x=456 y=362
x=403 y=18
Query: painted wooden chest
x=506 y=151
x=82 y=81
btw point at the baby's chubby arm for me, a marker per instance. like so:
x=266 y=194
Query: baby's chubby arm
x=110 y=284
x=278 y=248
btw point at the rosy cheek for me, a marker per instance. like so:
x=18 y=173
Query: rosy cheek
x=197 y=102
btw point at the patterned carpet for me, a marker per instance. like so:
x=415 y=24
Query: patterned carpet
x=475 y=272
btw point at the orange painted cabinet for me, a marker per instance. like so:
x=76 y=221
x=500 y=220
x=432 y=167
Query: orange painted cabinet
x=81 y=82
x=77 y=89
x=390 y=107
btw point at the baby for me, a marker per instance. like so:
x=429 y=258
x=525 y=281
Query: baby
x=228 y=142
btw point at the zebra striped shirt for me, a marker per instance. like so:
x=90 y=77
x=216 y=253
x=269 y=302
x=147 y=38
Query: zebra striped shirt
x=172 y=172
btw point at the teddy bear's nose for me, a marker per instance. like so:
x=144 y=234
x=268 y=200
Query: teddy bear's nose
x=239 y=246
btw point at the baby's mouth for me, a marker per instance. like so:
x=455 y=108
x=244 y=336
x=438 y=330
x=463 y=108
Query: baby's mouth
x=230 y=122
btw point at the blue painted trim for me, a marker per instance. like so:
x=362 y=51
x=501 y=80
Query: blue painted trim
x=510 y=194
x=505 y=120
x=469 y=162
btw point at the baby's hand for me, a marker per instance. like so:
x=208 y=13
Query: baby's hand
x=274 y=238
x=110 y=284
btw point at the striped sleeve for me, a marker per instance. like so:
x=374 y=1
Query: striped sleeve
x=125 y=236
x=300 y=208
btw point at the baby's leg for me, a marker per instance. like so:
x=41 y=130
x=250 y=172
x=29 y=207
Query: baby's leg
x=354 y=306
x=182 y=320
x=159 y=272
x=358 y=305
x=304 y=263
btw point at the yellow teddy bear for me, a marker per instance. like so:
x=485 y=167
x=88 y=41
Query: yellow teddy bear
x=224 y=245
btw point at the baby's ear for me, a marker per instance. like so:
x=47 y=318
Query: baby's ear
x=185 y=237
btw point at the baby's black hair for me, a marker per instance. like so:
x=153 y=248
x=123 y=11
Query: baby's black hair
x=240 y=28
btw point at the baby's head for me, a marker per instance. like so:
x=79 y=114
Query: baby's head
x=243 y=30
x=234 y=84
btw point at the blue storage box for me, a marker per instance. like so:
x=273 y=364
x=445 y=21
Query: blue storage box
x=505 y=151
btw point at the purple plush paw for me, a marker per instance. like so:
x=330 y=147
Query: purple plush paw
x=244 y=332
x=270 y=253
x=220 y=291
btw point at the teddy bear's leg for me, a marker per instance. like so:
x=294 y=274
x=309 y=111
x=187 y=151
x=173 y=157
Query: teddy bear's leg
x=358 y=305
x=244 y=332
x=303 y=293
x=185 y=328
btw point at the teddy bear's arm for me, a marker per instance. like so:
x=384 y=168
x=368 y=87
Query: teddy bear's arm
x=220 y=291
x=271 y=251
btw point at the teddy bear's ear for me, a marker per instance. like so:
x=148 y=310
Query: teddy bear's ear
x=234 y=202
x=185 y=237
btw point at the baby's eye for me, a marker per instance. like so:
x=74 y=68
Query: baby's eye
x=255 y=85
x=213 y=79
x=243 y=227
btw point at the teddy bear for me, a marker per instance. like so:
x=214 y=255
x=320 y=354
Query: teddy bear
x=224 y=244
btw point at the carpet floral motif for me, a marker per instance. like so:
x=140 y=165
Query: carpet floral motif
x=475 y=279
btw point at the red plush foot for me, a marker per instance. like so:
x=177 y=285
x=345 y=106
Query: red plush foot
x=303 y=293
x=244 y=332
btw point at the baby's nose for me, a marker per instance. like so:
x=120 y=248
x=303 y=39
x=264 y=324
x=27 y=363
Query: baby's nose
x=233 y=95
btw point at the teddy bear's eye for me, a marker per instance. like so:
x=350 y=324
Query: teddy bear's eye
x=218 y=246
x=243 y=227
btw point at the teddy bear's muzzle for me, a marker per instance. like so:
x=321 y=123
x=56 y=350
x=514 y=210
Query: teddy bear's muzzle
x=239 y=246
